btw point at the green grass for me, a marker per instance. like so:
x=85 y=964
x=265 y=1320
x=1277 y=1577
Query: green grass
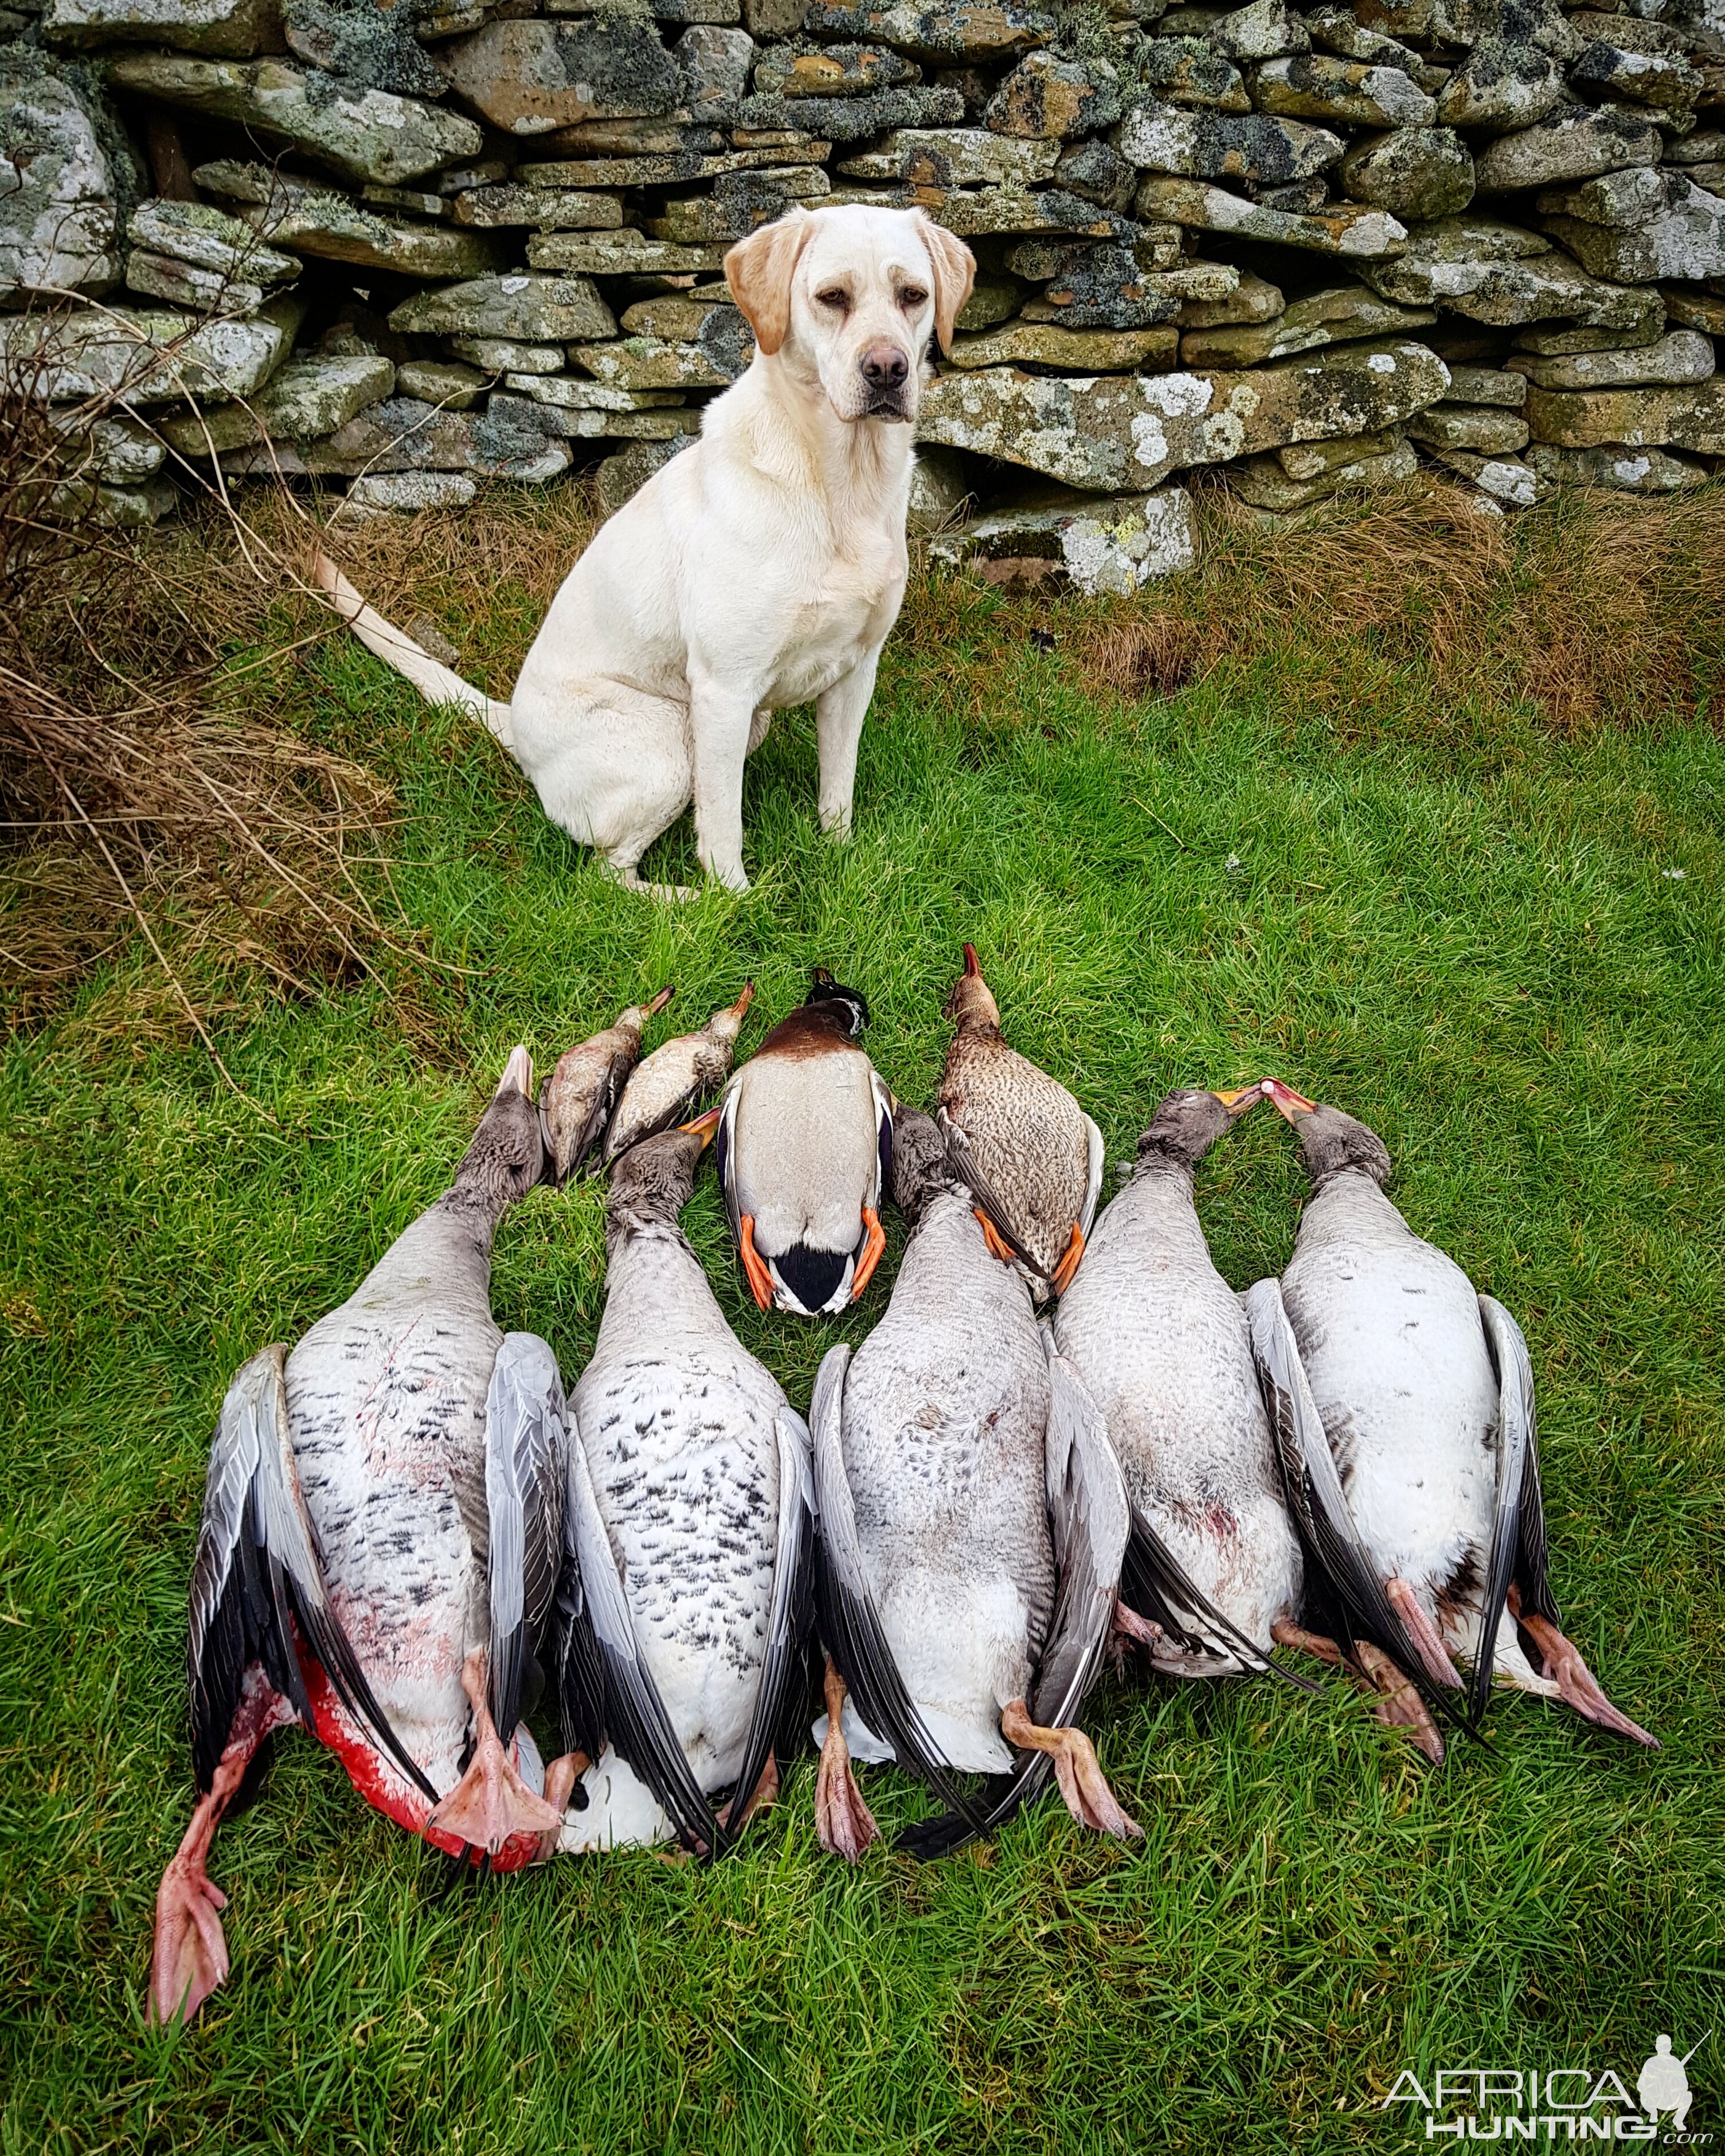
x=1449 y=920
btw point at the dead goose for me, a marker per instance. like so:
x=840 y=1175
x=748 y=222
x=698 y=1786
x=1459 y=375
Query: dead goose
x=380 y=1541
x=1405 y=1401
x=973 y=1523
x=804 y=1139
x=1161 y=1342
x=690 y=1521
x=665 y=1085
x=584 y=1088
x=1031 y=1156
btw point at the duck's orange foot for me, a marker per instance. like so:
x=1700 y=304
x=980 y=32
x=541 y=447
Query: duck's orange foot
x=873 y=1246
x=490 y=1802
x=995 y=1241
x=754 y=1270
x=1062 y=1275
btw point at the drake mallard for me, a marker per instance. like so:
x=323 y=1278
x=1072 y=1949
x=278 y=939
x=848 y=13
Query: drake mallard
x=1404 y=1399
x=1162 y=1344
x=803 y=1146
x=973 y=1522
x=665 y=1085
x=583 y=1089
x=690 y=1518
x=351 y=1574
x=1031 y=1156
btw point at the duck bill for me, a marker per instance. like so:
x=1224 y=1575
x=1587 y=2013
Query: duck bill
x=739 y=1009
x=703 y=1127
x=1289 y=1103
x=1237 y=1099
x=517 y=1073
x=972 y=964
x=652 y=1009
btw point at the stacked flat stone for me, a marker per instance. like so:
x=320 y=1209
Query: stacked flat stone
x=1308 y=250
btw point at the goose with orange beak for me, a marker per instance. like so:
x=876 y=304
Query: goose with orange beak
x=802 y=1146
x=1030 y=1156
x=381 y=1541
x=1404 y=1398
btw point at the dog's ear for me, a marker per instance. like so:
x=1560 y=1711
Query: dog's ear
x=759 y=269
x=954 y=274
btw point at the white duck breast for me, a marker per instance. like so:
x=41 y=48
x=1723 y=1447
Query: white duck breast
x=1161 y=1344
x=380 y=1542
x=695 y=1498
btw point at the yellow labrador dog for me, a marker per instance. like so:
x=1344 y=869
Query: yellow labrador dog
x=763 y=568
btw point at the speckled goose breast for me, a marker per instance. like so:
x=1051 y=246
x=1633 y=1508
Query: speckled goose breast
x=386 y=1404
x=676 y=1420
x=1388 y=1329
x=944 y=1431
x=1028 y=1134
x=1161 y=1341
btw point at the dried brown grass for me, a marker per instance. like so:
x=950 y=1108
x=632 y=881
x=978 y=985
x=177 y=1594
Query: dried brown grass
x=1590 y=610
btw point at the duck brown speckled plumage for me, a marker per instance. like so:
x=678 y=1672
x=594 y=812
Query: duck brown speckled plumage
x=589 y=1078
x=1030 y=1155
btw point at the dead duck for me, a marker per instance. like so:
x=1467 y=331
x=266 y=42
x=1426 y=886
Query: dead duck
x=804 y=1145
x=583 y=1090
x=1030 y=1155
x=972 y=1521
x=380 y=1542
x=690 y=1520
x=1405 y=1401
x=665 y=1085
x=1162 y=1344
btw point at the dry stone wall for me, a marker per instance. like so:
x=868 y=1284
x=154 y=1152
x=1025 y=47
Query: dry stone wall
x=401 y=248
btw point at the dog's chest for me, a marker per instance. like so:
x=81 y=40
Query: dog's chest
x=848 y=608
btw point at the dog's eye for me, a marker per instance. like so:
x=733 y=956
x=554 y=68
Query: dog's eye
x=911 y=297
x=836 y=297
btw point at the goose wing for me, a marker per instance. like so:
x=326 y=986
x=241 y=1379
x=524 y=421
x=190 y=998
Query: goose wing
x=1316 y=1498
x=526 y=1474
x=259 y=1573
x=849 y=1622
x=1518 y=1547
x=1089 y=1518
x=962 y=1159
x=791 y=1612
x=1158 y=1587
x=634 y=1716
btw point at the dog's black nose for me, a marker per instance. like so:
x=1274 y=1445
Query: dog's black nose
x=885 y=366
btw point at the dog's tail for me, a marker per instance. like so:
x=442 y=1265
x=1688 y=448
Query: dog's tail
x=437 y=683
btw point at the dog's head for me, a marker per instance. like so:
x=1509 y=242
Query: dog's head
x=849 y=297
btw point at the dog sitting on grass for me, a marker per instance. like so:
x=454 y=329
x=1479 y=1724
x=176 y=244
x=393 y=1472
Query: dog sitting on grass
x=763 y=568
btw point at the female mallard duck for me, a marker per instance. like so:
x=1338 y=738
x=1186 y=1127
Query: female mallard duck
x=803 y=1147
x=584 y=1088
x=1406 y=1398
x=1032 y=1159
x=972 y=1523
x=381 y=1539
x=691 y=1522
x=665 y=1085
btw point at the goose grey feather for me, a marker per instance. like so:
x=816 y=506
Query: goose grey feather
x=525 y=1478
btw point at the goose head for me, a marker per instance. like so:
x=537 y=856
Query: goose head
x=507 y=1156
x=920 y=1168
x=1189 y=1121
x=652 y=1181
x=970 y=1002
x=1332 y=1142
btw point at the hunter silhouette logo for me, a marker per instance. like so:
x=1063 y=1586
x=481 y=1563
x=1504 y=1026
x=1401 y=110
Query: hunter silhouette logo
x=1568 y=2103
x=1663 y=2083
